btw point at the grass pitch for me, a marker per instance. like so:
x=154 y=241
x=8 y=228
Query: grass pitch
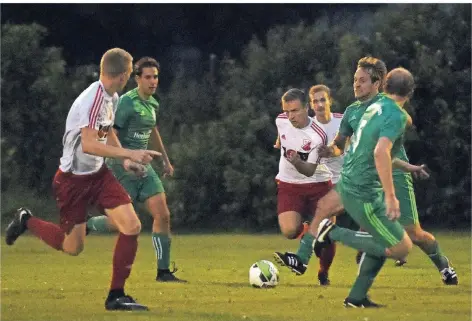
x=41 y=284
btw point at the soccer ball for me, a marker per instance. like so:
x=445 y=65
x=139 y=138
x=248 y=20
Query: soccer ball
x=263 y=274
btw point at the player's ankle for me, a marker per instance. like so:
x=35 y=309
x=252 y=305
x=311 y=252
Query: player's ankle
x=115 y=293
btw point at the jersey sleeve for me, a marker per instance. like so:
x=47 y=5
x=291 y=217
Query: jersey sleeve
x=123 y=112
x=86 y=115
x=393 y=126
x=88 y=109
x=313 y=157
x=345 y=128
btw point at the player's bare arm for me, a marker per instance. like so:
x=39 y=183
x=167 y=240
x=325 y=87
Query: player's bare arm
x=157 y=144
x=91 y=145
x=305 y=168
x=383 y=164
x=418 y=171
x=335 y=149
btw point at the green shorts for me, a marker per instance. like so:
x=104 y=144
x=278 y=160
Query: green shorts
x=138 y=188
x=406 y=196
x=371 y=217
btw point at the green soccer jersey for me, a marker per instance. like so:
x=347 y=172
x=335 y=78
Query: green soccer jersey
x=135 y=118
x=384 y=118
x=353 y=114
x=351 y=118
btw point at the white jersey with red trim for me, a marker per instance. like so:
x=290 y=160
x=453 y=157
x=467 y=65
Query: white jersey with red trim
x=94 y=108
x=335 y=164
x=304 y=141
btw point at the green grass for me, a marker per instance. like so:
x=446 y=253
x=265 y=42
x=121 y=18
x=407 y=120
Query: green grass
x=41 y=284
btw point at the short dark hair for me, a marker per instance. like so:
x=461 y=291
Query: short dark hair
x=400 y=82
x=318 y=88
x=294 y=94
x=375 y=67
x=145 y=62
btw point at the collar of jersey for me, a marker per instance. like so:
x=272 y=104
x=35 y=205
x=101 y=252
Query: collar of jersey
x=105 y=94
x=310 y=121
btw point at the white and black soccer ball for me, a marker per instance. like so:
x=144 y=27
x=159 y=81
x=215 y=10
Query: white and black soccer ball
x=263 y=274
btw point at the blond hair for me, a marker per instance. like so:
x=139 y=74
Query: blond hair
x=320 y=88
x=115 y=62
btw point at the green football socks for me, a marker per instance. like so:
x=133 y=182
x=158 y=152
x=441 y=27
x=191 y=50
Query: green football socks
x=161 y=243
x=305 y=249
x=434 y=253
x=98 y=224
x=369 y=267
x=361 y=241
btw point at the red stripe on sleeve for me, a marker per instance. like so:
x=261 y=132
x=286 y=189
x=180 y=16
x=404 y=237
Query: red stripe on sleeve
x=97 y=103
x=320 y=131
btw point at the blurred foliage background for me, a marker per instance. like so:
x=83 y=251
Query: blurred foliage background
x=217 y=114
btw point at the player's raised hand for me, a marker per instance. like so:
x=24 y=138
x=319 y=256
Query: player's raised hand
x=143 y=156
x=393 y=208
x=419 y=172
x=324 y=151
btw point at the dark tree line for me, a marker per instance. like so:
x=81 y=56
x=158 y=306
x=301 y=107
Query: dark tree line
x=219 y=128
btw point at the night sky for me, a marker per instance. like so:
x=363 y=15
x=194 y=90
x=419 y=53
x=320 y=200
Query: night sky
x=85 y=31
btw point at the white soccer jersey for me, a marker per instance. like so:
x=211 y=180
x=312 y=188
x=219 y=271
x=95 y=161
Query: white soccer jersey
x=93 y=108
x=335 y=164
x=304 y=141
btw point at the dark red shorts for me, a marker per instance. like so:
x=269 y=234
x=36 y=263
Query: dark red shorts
x=301 y=198
x=76 y=193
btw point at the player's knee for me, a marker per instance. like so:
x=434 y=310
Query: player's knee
x=135 y=227
x=402 y=249
x=290 y=232
x=132 y=227
x=162 y=217
x=408 y=244
x=75 y=250
x=419 y=236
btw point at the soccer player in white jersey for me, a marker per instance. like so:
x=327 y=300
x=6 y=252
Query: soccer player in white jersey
x=301 y=180
x=320 y=103
x=83 y=179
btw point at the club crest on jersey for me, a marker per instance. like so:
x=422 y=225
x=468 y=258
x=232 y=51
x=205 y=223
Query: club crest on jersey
x=306 y=145
x=103 y=132
x=283 y=136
